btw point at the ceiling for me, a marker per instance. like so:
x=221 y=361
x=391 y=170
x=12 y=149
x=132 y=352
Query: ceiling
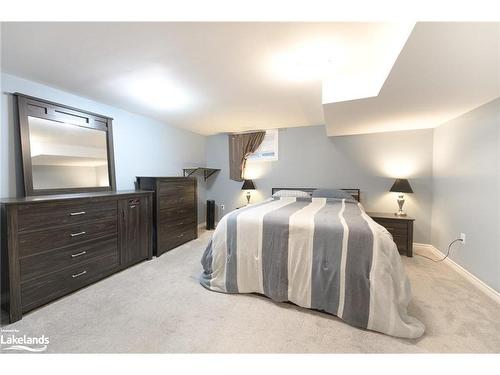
x=228 y=77
x=443 y=71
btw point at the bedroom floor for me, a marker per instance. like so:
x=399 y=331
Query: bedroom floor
x=159 y=306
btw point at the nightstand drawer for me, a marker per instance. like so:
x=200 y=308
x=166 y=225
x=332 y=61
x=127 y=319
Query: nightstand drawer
x=401 y=243
x=396 y=229
x=401 y=229
x=393 y=224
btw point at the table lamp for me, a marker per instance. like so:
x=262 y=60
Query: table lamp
x=401 y=185
x=248 y=185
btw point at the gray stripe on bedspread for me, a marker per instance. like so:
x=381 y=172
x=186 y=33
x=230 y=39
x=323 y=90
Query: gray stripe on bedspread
x=358 y=266
x=275 y=232
x=326 y=259
x=232 y=244
x=206 y=262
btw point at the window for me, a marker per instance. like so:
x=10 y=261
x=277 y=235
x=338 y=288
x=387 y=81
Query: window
x=268 y=150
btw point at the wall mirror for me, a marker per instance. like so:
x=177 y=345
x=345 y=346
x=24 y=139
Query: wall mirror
x=64 y=149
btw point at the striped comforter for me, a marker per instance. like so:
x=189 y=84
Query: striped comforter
x=319 y=253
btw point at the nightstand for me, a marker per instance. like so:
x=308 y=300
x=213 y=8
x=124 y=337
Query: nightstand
x=401 y=228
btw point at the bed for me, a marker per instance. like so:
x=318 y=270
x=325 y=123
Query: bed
x=325 y=254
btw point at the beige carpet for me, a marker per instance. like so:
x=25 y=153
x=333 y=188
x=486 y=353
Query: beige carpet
x=158 y=306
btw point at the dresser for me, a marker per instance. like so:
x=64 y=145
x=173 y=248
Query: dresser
x=175 y=210
x=53 y=245
x=400 y=227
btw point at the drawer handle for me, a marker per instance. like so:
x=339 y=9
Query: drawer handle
x=77 y=234
x=180 y=235
x=78 y=254
x=132 y=206
x=78 y=274
x=77 y=213
x=181 y=223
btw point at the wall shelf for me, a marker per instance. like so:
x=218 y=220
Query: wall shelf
x=207 y=172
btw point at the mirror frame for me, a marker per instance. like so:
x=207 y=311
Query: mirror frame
x=36 y=107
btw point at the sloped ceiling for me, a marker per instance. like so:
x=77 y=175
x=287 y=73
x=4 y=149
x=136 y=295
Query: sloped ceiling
x=443 y=71
x=225 y=76
x=228 y=77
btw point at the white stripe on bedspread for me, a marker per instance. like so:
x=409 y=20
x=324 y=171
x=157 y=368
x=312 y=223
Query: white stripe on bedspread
x=249 y=254
x=388 y=305
x=343 y=261
x=300 y=252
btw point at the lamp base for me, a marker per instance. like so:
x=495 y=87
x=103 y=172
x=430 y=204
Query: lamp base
x=401 y=202
x=248 y=197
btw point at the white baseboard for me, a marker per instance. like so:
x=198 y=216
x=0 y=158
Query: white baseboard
x=481 y=285
x=202 y=226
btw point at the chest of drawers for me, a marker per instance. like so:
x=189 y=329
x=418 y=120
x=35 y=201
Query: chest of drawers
x=175 y=210
x=54 y=245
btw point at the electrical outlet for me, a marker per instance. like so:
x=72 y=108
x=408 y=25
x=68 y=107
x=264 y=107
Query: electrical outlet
x=222 y=207
x=462 y=237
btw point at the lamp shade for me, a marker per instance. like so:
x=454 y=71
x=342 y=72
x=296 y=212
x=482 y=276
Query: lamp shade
x=401 y=185
x=248 y=185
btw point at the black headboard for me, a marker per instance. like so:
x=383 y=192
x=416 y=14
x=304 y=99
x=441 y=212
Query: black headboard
x=354 y=192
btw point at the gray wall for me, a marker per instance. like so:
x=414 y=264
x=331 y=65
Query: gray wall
x=308 y=158
x=466 y=190
x=142 y=146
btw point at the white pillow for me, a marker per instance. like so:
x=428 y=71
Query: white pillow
x=291 y=193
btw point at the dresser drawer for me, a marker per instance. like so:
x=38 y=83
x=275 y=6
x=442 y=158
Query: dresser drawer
x=36 y=292
x=176 y=214
x=173 y=229
x=36 y=242
x=46 y=215
x=173 y=237
x=55 y=260
x=180 y=201
x=170 y=188
x=180 y=222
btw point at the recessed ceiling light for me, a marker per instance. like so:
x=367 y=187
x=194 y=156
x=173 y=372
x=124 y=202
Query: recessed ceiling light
x=155 y=88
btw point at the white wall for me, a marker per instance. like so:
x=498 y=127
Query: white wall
x=308 y=158
x=142 y=145
x=466 y=190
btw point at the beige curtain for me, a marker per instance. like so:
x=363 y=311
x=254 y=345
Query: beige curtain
x=242 y=146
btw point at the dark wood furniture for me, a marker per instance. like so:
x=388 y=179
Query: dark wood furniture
x=31 y=107
x=401 y=228
x=175 y=210
x=53 y=245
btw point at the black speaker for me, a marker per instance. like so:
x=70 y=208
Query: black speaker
x=210 y=214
